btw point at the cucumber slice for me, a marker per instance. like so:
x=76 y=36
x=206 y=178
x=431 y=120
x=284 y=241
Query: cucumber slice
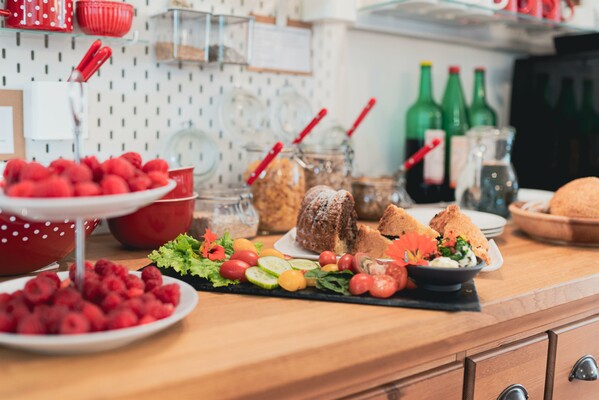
x=262 y=279
x=303 y=265
x=274 y=265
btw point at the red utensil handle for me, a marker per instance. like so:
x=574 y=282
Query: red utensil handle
x=419 y=155
x=267 y=160
x=96 y=62
x=321 y=114
x=4 y=13
x=93 y=49
x=361 y=117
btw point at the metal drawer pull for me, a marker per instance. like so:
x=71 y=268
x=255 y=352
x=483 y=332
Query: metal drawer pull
x=585 y=369
x=514 y=392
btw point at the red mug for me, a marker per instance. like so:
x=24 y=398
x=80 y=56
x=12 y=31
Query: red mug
x=46 y=15
x=534 y=8
x=552 y=9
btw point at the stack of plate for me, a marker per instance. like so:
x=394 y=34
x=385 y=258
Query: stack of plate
x=491 y=225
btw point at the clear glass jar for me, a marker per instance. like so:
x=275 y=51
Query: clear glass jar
x=330 y=166
x=227 y=209
x=373 y=195
x=278 y=191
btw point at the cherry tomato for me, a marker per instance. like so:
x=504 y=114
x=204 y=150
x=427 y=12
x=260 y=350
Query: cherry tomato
x=399 y=273
x=247 y=256
x=243 y=244
x=234 y=269
x=346 y=262
x=327 y=257
x=383 y=286
x=330 y=268
x=360 y=284
x=292 y=280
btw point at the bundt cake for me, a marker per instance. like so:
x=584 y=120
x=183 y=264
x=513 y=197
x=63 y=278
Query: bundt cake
x=327 y=221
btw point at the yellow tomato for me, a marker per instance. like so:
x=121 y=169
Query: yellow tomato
x=330 y=268
x=271 y=252
x=243 y=244
x=292 y=280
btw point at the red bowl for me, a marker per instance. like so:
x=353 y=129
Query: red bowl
x=184 y=178
x=26 y=246
x=154 y=225
x=104 y=18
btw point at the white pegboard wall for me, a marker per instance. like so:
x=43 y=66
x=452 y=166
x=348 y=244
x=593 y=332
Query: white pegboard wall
x=136 y=104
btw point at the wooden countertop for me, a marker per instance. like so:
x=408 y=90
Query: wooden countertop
x=266 y=348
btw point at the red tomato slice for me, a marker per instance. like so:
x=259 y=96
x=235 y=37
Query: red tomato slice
x=399 y=273
x=360 y=284
x=383 y=286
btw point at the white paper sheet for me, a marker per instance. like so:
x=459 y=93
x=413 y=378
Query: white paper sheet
x=7 y=138
x=282 y=48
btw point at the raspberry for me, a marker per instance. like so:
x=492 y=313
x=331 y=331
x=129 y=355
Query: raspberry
x=148 y=297
x=74 y=323
x=113 y=184
x=92 y=291
x=78 y=173
x=136 y=305
x=95 y=316
x=55 y=186
x=152 y=284
x=103 y=266
x=168 y=293
x=68 y=297
x=158 y=179
x=140 y=183
x=60 y=165
x=31 y=325
x=4 y=298
x=157 y=164
x=134 y=282
x=87 y=189
x=17 y=308
x=134 y=158
x=119 y=319
x=94 y=165
x=8 y=323
x=34 y=171
x=119 y=167
x=88 y=267
x=119 y=271
x=51 y=316
x=111 y=302
x=12 y=171
x=159 y=310
x=113 y=284
x=151 y=272
x=39 y=290
x=52 y=276
x=21 y=189
x=146 y=319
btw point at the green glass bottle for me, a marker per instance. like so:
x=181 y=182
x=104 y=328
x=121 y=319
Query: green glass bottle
x=424 y=181
x=589 y=131
x=568 y=133
x=455 y=125
x=480 y=113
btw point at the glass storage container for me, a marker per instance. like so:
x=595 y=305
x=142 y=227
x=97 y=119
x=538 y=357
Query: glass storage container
x=278 y=191
x=373 y=195
x=182 y=35
x=231 y=39
x=225 y=209
x=330 y=166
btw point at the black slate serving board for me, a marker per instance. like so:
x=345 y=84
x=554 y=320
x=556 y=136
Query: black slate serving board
x=465 y=299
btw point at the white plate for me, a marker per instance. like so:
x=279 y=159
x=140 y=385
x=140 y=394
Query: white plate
x=288 y=245
x=484 y=221
x=96 y=341
x=527 y=195
x=57 y=209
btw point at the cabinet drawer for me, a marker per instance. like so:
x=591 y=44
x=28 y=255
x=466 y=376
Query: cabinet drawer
x=443 y=383
x=571 y=343
x=524 y=363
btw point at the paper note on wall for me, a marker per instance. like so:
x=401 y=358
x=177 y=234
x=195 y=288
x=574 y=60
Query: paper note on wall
x=7 y=138
x=284 y=49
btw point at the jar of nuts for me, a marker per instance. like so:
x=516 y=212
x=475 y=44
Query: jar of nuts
x=330 y=166
x=278 y=191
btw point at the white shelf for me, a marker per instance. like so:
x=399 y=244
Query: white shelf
x=131 y=39
x=473 y=25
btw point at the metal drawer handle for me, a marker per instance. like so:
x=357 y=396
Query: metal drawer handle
x=514 y=392
x=585 y=369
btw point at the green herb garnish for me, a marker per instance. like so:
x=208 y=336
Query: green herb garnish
x=337 y=282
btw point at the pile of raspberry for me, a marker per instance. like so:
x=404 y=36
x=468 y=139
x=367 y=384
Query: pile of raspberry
x=65 y=178
x=111 y=299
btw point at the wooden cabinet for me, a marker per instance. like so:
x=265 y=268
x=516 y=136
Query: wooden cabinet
x=442 y=383
x=568 y=344
x=524 y=363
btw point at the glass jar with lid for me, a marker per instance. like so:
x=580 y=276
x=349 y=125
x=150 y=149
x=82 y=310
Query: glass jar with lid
x=278 y=191
x=225 y=209
x=330 y=166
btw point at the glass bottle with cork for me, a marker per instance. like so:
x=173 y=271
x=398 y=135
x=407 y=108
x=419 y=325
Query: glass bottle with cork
x=424 y=182
x=481 y=114
x=455 y=124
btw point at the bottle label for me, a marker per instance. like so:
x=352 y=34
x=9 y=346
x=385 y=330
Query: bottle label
x=458 y=157
x=434 y=161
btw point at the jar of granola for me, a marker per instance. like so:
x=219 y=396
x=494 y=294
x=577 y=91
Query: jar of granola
x=278 y=191
x=330 y=166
